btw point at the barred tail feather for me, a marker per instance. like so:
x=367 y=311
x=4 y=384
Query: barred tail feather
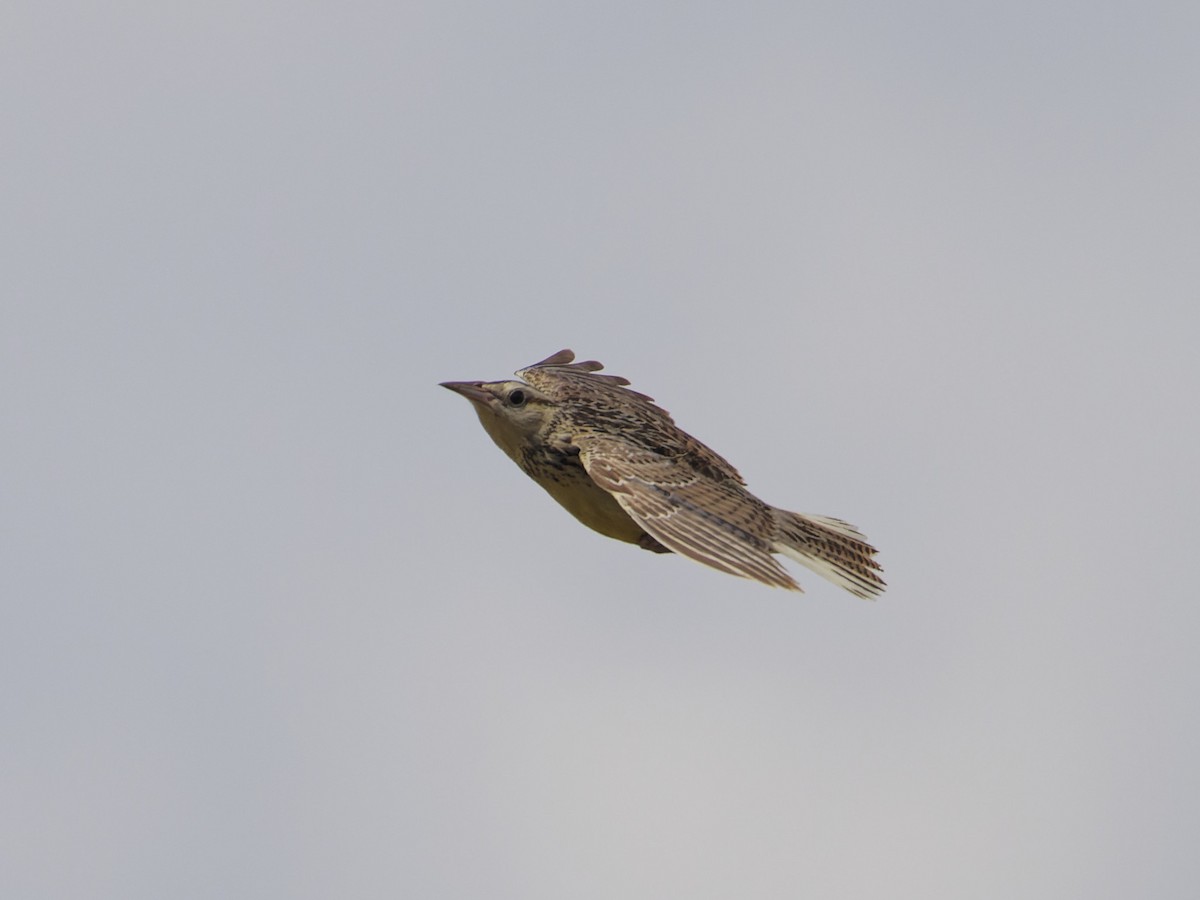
x=834 y=549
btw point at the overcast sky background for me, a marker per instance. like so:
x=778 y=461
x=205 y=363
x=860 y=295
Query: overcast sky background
x=279 y=621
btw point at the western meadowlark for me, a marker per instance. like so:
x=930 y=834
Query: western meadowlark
x=621 y=466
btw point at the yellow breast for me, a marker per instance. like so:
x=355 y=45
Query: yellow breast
x=592 y=505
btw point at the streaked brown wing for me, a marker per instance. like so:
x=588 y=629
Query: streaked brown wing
x=610 y=403
x=712 y=522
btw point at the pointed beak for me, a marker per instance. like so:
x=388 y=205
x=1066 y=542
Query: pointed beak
x=472 y=390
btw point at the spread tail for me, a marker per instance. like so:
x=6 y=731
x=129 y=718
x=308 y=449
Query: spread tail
x=833 y=549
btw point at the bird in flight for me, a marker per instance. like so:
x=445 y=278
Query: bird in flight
x=621 y=466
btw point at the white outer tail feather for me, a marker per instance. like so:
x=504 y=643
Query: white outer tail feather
x=833 y=549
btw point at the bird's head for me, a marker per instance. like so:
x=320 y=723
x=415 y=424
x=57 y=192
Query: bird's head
x=513 y=413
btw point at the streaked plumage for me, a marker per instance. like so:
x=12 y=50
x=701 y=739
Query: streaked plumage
x=620 y=465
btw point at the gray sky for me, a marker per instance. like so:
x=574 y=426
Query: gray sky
x=279 y=621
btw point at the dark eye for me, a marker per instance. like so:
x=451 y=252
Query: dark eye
x=516 y=397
